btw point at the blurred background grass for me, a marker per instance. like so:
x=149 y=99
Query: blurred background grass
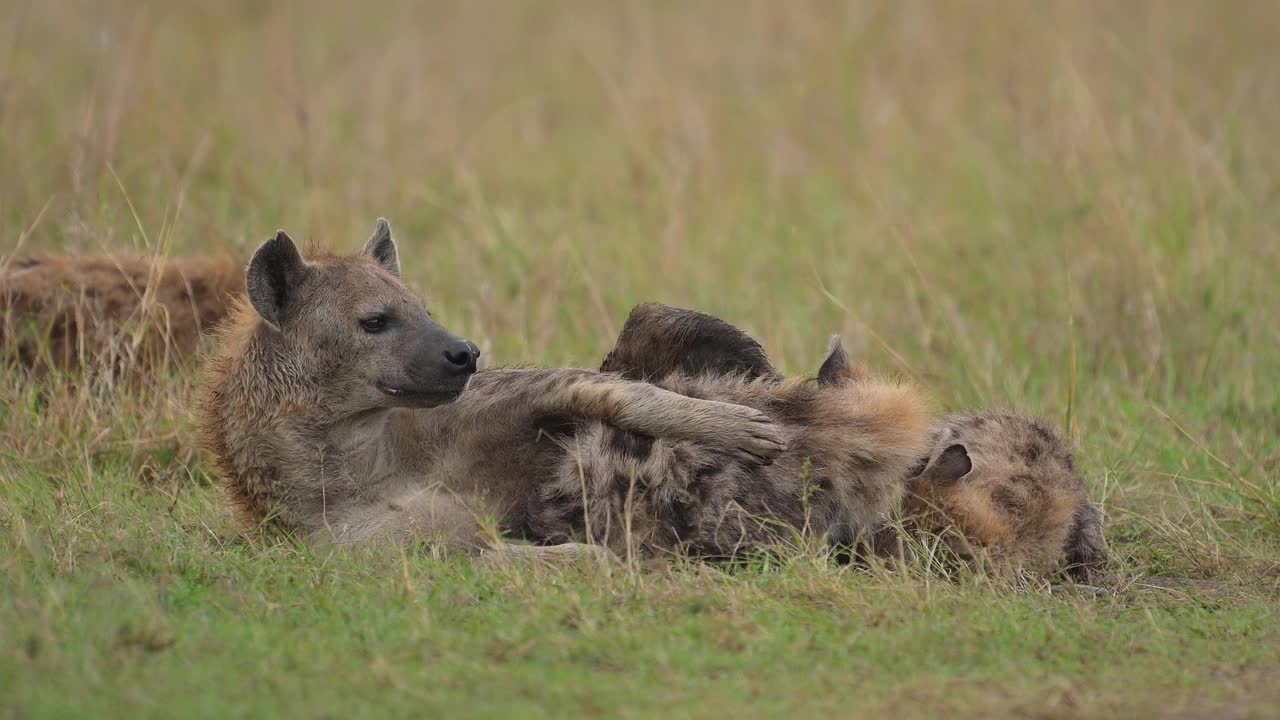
x=1065 y=207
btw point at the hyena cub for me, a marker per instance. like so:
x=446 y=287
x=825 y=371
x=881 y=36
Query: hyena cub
x=1009 y=485
x=850 y=440
x=338 y=409
x=64 y=311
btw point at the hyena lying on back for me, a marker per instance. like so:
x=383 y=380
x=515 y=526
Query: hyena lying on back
x=62 y=311
x=336 y=409
x=850 y=441
x=1007 y=483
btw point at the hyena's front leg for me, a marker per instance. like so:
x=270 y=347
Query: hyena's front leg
x=432 y=514
x=438 y=516
x=650 y=410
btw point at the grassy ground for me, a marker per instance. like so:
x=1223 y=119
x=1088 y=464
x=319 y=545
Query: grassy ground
x=1068 y=208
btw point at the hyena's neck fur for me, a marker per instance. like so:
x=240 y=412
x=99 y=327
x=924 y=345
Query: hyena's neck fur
x=288 y=458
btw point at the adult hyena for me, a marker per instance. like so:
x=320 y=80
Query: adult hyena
x=337 y=408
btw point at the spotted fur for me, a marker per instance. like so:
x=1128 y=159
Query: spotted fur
x=1006 y=482
x=850 y=440
x=1009 y=484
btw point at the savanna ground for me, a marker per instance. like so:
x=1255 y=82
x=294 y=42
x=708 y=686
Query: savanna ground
x=1068 y=208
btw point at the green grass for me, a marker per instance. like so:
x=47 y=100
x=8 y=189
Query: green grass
x=1067 y=208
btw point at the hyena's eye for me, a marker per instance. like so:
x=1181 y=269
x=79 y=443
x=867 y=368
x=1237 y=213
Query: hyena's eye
x=374 y=323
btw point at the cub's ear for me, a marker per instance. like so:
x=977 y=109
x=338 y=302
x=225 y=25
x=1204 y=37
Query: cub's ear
x=382 y=248
x=273 y=277
x=951 y=465
x=837 y=368
x=1086 y=549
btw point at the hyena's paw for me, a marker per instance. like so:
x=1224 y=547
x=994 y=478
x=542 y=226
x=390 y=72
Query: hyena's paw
x=749 y=432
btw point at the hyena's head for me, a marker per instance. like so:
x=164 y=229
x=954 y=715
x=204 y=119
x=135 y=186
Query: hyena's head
x=352 y=326
x=1009 y=485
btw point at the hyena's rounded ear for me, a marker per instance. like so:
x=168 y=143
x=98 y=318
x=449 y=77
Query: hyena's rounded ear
x=272 y=280
x=382 y=248
x=951 y=465
x=1086 y=548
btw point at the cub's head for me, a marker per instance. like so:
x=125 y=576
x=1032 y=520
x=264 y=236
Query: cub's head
x=1009 y=485
x=350 y=324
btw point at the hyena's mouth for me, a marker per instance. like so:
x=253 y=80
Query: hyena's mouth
x=422 y=397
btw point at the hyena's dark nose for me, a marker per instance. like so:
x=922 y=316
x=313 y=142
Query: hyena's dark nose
x=460 y=357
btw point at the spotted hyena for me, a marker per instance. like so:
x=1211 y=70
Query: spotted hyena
x=338 y=409
x=995 y=484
